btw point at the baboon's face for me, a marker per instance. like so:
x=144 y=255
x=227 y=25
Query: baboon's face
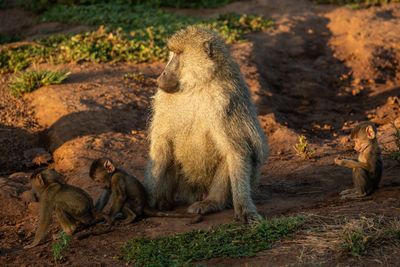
x=101 y=177
x=168 y=81
x=362 y=138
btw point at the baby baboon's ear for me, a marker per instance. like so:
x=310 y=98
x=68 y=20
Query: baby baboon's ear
x=109 y=167
x=208 y=48
x=370 y=132
x=40 y=178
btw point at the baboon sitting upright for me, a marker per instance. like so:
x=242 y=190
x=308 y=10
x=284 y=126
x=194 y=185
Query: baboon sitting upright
x=368 y=168
x=206 y=143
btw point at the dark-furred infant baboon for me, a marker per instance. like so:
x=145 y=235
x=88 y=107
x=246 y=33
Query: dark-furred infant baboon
x=127 y=192
x=206 y=143
x=367 y=169
x=71 y=204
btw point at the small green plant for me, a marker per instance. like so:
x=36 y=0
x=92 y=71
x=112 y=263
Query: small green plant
x=27 y=81
x=224 y=240
x=302 y=148
x=396 y=153
x=60 y=246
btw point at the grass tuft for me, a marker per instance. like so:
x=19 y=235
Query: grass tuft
x=30 y=80
x=224 y=240
x=360 y=235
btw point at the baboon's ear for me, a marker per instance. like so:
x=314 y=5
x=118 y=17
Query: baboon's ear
x=208 y=48
x=40 y=179
x=370 y=132
x=109 y=167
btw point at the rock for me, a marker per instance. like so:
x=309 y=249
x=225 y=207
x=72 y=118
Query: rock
x=37 y=156
x=19 y=176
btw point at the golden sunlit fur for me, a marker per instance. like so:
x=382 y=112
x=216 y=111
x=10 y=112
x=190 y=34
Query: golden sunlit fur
x=206 y=144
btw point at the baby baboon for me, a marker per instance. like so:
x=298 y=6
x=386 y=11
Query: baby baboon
x=71 y=204
x=128 y=194
x=206 y=143
x=367 y=170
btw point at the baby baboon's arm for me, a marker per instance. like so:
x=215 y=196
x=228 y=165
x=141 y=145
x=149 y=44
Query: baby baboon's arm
x=351 y=163
x=45 y=219
x=102 y=200
x=118 y=195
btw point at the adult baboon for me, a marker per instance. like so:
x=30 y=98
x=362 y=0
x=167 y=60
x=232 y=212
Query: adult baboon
x=206 y=144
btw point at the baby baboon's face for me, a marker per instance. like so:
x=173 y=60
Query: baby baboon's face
x=168 y=81
x=102 y=179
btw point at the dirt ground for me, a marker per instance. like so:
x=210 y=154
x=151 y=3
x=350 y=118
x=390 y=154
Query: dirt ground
x=319 y=72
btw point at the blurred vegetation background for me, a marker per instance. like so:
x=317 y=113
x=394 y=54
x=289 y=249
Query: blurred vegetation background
x=123 y=30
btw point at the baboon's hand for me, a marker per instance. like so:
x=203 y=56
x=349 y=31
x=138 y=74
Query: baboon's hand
x=203 y=207
x=338 y=161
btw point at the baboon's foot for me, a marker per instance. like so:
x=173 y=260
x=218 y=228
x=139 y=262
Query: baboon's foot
x=30 y=246
x=129 y=219
x=204 y=207
x=348 y=191
x=246 y=214
x=351 y=194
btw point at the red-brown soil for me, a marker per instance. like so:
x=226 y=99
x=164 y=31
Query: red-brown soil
x=318 y=73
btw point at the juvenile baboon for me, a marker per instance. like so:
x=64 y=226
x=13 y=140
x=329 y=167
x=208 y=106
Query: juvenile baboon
x=71 y=204
x=367 y=169
x=128 y=194
x=206 y=143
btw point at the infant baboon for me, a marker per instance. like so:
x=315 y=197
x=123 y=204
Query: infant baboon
x=367 y=170
x=128 y=194
x=71 y=204
x=206 y=143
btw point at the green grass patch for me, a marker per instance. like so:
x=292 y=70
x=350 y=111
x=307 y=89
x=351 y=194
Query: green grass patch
x=130 y=33
x=355 y=4
x=193 y=3
x=27 y=81
x=42 y=5
x=224 y=240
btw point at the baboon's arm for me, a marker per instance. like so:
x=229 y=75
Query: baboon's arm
x=118 y=195
x=45 y=219
x=102 y=200
x=239 y=174
x=349 y=163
